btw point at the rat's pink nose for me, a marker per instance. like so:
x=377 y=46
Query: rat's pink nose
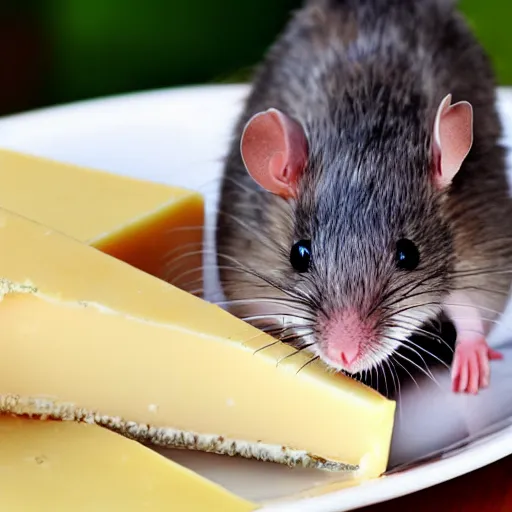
x=345 y=334
x=349 y=355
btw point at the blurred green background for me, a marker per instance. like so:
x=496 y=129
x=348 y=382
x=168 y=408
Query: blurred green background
x=57 y=51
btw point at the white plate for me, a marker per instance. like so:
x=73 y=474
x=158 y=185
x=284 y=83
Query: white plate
x=180 y=136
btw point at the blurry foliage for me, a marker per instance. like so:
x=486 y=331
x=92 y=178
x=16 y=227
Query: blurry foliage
x=490 y=20
x=109 y=46
x=65 y=50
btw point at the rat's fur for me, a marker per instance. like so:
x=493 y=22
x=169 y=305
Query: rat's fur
x=365 y=78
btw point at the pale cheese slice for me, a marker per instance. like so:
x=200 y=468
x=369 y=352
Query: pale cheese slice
x=152 y=226
x=63 y=466
x=85 y=336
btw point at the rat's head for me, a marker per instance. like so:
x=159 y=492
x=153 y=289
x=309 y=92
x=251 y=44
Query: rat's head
x=369 y=249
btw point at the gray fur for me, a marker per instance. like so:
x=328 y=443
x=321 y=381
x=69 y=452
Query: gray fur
x=365 y=78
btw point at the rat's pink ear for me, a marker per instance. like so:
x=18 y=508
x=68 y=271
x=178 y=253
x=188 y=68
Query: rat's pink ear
x=274 y=151
x=453 y=138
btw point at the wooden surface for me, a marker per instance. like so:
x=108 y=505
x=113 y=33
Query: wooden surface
x=486 y=490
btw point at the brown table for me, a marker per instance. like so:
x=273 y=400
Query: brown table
x=485 y=490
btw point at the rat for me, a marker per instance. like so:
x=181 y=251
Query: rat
x=365 y=193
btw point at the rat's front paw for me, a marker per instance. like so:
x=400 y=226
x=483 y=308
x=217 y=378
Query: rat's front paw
x=470 y=367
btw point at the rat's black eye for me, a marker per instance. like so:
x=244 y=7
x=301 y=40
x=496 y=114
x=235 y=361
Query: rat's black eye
x=300 y=255
x=407 y=254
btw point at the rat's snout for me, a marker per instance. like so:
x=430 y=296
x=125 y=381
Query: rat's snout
x=346 y=334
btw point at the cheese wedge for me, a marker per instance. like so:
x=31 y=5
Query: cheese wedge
x=154 y=227
x=63 y=466
x=85 y=336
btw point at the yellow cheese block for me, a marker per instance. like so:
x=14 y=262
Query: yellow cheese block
x=85 y=336
x=68 y=466
x=154 y=227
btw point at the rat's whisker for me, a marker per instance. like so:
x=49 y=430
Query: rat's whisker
x=497 y=241
x=398 y=387
x=198 y=291
x=400 y=320
x=177 y=263
x=426 y=371
x=274 y=316
x=481 y=289
x=493 y=321
x=306 y=364
x=414 y=286
x=176 y=280
x=408 y=308
x=229 y=284
x=498 y=323
x=404 y=342
x=238 y=183
x=476 y=306
x=195 y=291
x=407 y=297
x=291 y=293
x=381 y=300
x=282 y=331
x=296 y=337
x=298 y=351
x=173 y=265
x=395 y=312
x=408 y=293
x=403 y=368
x=168 y=256
x=266 y=346
x=218 y=182
x=180 y=229
x=419 y=347
x=434 y=322
x=386 y=362
x=376 y=365
x=385 y=380
x=259 y=233
x=398 y=323
x=284 y=301
x=299 y=341
x=270 y=244
x=480 y=272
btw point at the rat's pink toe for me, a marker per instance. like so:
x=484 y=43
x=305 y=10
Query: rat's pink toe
x=471 y=369
x=455 y=383
x=464 y=377
x=474 y=374
x=494 y=354
x=460 y=373
x=485 y=369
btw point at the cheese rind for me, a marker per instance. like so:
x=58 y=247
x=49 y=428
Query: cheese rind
x=90 y=337
x=62 y=466
x=146 y=224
